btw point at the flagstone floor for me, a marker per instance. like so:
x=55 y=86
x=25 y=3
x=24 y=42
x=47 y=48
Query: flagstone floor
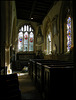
x=27 y=87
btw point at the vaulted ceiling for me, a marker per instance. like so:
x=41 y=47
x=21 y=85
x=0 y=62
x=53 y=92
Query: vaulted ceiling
x=33 y=10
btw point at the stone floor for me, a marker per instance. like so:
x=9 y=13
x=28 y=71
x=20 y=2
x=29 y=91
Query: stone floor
x=27 y=87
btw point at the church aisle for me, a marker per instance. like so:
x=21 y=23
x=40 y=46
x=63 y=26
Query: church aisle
x=28 y=90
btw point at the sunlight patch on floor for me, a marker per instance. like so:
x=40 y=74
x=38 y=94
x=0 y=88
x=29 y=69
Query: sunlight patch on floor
x=21 y=74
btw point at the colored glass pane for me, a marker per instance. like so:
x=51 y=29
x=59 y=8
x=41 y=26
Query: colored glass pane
x=20 y=41
x=31 y=40
x=25 y=38
x=26 y=41
x=68 y=33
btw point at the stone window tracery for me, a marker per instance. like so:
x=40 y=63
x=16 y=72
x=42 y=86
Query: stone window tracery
x=25 y=38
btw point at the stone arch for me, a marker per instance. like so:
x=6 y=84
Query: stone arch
x=48 y=29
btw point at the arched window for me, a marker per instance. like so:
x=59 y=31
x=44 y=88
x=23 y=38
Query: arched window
x=49 y=43
x=25 y=38
x=69 y=34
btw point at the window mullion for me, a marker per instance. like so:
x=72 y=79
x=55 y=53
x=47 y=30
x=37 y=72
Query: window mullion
x=23 y=41
x=28 y=40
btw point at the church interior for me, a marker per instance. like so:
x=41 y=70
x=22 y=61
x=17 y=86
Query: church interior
x=37 y=39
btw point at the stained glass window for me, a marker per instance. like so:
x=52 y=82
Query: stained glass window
x=49 y=43
x=68 y=34
x=25 y=38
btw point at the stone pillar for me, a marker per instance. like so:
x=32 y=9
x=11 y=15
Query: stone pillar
x=7 y=59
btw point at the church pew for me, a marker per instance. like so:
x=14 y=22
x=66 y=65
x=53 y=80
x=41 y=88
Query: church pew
x=36 y=64
x=38 y=70
x=39 y=73
x=58 y=82
x=9 y=87
x=33 y=65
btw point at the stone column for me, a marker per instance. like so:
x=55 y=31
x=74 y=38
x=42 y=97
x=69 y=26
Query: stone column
x=7 y=59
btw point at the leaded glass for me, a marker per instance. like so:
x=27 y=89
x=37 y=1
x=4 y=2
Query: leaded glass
x=21 y=29
x=30 y=29
x=31 y=40
x=49 y=43
x=20 y=41
x=26 y=41
x=68 y=34
x=27 y=27
x=25 y=38
x=24 y=27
